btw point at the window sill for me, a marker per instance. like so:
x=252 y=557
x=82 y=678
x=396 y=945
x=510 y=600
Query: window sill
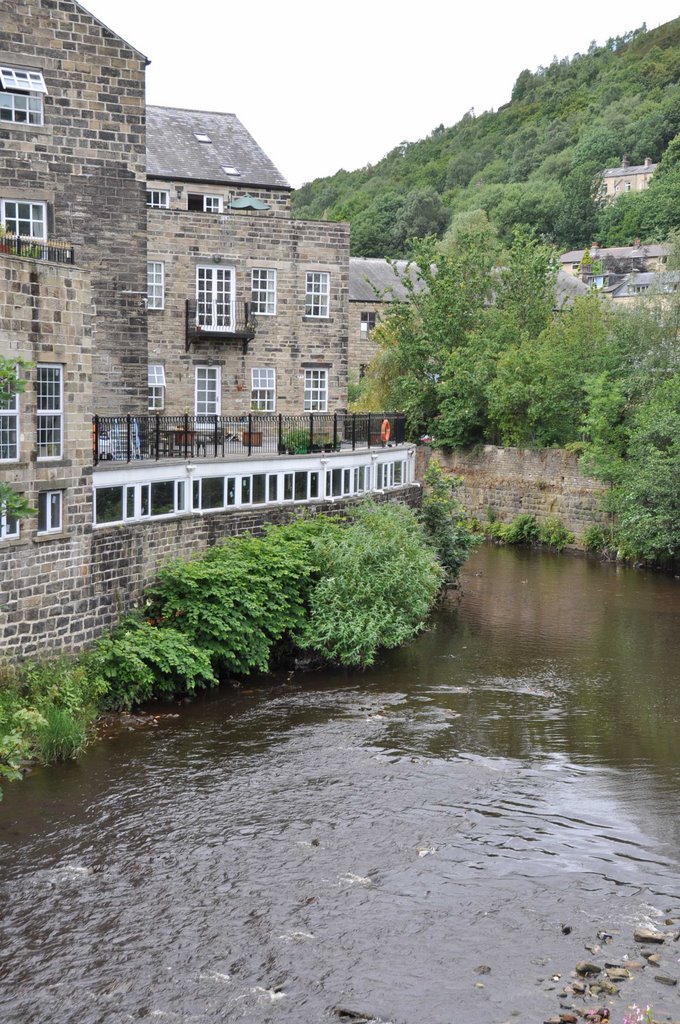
x=42 y=538
x=317 y=319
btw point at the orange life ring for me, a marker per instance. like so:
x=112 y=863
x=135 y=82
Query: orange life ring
x=385 y=430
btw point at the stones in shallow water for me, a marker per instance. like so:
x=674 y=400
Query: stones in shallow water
x=587 y=969
x=647 y=935
x=665 y=979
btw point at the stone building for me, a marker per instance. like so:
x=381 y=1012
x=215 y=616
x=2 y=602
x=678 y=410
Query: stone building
x=627 y=178
x=247 y=307
x=374 y=284
x=135 y=297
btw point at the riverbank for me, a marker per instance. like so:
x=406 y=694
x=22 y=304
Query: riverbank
x=336 y=588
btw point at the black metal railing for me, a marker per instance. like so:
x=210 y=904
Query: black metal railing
x=218 y=320
x=131 y=438
x=51 y=250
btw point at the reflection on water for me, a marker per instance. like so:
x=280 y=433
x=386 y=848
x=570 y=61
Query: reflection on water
x=369 y=841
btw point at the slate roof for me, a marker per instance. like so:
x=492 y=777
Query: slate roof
x=568 y=288
x=174 y=152
x=655 y=283
x=621 y=172
x=617 y=252
x=366 y=276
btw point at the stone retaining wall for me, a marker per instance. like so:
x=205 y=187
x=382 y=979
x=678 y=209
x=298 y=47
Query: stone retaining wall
x=61 y=597
x=511 y=481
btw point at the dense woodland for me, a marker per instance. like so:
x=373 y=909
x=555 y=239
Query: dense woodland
x=535 y=162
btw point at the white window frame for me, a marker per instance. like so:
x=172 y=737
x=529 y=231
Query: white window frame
x=157 y=199
x=263 y=389
x=22 y=79
x=263 y=291
x=316 y=389
x=155 y=284
x=9 y=527
x=49 y=411
x=215 y=305
x=317 y=294
x=156 y=384
x=32 y=217
x=213 y=204
x=9 y=425
x=208 y=391
x=23 y=108
x=49 y=503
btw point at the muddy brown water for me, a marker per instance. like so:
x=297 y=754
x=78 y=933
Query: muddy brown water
x=491 y=796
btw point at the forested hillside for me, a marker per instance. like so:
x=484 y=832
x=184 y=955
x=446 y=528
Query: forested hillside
x=535 y=161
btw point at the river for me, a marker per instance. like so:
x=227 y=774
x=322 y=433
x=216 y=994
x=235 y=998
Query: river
x=434 y=841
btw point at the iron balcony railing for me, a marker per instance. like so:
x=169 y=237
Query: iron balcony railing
x=219 y=320
x=51 y=250
x=131 y=438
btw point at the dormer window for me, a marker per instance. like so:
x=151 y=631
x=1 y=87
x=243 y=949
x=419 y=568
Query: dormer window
x=21 y=95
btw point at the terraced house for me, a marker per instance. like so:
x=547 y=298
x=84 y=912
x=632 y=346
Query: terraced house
x=184 y=341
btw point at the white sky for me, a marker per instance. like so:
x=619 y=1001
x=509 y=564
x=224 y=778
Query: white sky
x=327 y=86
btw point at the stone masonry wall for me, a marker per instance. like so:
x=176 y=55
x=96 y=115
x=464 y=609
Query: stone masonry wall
x=287 y=341
x=46 y=317
x=81 y=587
x=511 y=481
x=87 y=162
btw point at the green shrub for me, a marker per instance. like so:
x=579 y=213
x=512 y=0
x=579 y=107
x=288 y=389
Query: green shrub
x=522 y=530
x=379 y=581
x=595 y=539
x=554 y=533
x=141 y=662
x=442 y=517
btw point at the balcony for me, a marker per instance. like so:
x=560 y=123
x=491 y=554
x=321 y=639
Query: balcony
x=150 y=438
x=49 y=250
x=219 y=321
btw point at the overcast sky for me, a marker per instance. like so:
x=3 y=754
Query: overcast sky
x=327 y=86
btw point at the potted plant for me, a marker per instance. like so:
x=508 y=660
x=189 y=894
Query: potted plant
x=296 y=442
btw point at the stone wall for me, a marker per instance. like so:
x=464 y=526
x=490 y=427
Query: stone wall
x=87 y=163
x=288 y=341
x=511 y=481
x=65 y=594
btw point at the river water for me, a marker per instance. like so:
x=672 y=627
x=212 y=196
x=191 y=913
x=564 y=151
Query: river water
x=433 y=841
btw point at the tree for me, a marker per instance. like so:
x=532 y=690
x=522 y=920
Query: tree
x=12 y=505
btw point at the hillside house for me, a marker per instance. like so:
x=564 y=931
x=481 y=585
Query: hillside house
x=627 y=178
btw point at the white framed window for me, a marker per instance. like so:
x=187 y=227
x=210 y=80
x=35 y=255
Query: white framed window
x=207 y=391
x=316 y=390
x=200 y=203
x=21 y=217
x=156 y=381
x=50 y=410
x=263 y=389
x=155 y=285
x=9 y=526
x=215 y=298
x=627 y=186
x=9 y=428
x=367 y=323
x=50 y=511
x=317 y=293
x=158 y=199
x=263 y=291
x=21 y=107
x=21 y=95
x=22 y=79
